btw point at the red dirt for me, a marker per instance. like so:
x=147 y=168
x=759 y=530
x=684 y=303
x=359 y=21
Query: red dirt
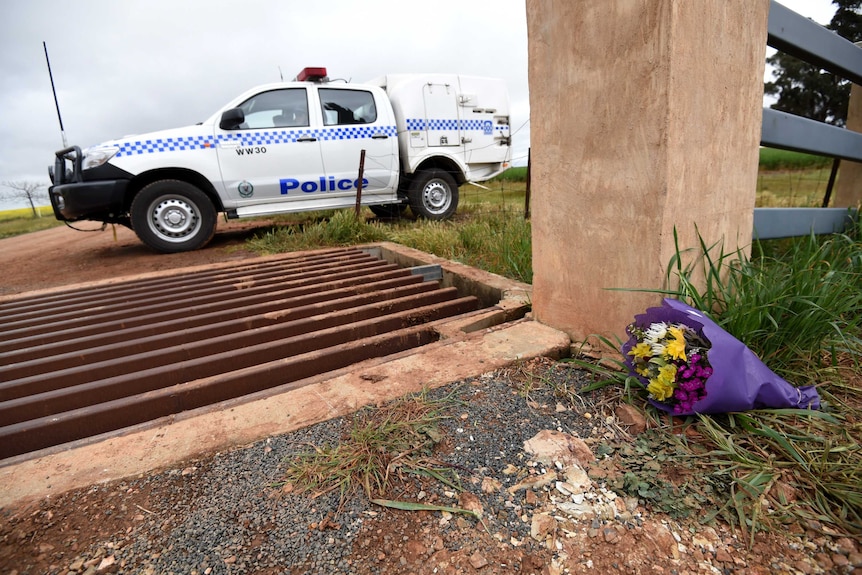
x=47 y=537
x=62 y=256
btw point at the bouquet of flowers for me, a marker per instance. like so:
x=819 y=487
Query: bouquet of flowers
x=689 y=364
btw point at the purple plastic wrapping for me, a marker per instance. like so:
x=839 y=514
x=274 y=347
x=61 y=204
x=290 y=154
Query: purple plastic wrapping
x=739 y=380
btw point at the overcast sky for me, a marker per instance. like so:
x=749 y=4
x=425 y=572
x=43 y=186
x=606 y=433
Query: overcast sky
x=133 y=66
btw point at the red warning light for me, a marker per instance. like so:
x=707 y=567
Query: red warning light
x=311 y=75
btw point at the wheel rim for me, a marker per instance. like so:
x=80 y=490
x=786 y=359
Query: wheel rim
x=174 y=218
x=436 y=196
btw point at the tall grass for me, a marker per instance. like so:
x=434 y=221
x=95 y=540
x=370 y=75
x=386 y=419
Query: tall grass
x=794 y=308
x=340 y=228
x=800 y=310
x=495 y=240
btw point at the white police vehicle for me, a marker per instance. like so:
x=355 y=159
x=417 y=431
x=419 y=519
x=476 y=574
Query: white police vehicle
x=293 y=147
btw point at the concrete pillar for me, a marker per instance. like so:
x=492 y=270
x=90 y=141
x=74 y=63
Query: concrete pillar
x=848 y=186
x=645 y=117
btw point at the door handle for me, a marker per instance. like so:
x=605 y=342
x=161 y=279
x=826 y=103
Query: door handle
x=306 y=139
x=379 y=137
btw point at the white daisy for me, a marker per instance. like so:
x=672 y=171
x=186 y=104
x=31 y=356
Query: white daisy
x=656 y=332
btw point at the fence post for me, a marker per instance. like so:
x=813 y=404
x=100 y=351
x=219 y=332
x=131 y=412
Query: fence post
x=359 y=183
x=848 y=188
x=527 y=193
x=646 y=121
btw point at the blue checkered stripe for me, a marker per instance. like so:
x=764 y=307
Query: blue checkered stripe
x=354 y=132
x=165 y=145
x=485 y=126
x=266 y=137
x=256 y=138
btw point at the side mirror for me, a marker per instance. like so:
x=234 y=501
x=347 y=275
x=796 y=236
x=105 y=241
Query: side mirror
x=231 y=119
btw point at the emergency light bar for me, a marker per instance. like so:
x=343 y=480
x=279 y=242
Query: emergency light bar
x=312 y=75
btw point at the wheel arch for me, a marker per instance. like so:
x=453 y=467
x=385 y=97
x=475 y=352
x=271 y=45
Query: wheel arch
x=185 y=175
x=444 y=163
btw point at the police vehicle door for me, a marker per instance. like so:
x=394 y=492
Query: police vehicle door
x=352 y=123
x=269 y=156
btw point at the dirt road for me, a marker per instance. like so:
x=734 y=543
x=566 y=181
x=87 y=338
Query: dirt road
x=62 y=256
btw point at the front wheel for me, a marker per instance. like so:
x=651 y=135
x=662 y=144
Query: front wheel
x=433 y=195
x=173 y=216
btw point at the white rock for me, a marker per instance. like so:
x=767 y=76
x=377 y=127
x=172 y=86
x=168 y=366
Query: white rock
x=548 y=446
x=578 y=478
x=577 y=511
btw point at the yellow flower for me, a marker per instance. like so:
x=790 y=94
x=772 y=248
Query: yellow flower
x=662 y=386
x=676 y=347
x=659 y=390
x=641 y=351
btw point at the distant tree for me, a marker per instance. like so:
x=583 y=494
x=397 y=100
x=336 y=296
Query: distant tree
x=806 y=90
x=28 y=191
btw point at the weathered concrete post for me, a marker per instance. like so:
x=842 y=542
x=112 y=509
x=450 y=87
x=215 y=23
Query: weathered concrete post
x=848 y=188
x=645 y=118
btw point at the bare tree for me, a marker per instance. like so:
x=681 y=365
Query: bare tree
x=29 y=191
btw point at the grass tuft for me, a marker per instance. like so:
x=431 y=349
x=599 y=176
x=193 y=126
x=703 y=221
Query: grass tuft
x=498 y=241
x=798 y=310
x=382 y=443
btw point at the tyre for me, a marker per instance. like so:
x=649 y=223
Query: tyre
x=388 y=211
x=433 y=195
x=173 y=216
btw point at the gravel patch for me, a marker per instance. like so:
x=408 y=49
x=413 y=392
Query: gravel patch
x=231 y=513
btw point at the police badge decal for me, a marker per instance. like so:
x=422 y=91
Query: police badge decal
x=246 y=190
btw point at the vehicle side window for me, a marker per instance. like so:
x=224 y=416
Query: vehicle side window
x=276 y=109
x=347 y=107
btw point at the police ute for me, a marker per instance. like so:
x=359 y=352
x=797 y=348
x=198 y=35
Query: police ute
x=294 y=147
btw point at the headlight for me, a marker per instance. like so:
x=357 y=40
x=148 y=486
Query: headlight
x=95 y=157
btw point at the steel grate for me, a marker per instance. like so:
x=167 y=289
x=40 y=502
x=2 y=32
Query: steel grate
x=75 y=364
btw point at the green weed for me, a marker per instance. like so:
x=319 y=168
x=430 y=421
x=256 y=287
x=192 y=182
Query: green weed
x=496 y=240
x=382 y=443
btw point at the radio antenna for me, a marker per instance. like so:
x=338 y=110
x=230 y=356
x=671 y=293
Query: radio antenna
x=280 y=75
x=56 y=103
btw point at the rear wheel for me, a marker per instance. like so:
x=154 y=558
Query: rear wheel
x=173 y=216
x=433 y=195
